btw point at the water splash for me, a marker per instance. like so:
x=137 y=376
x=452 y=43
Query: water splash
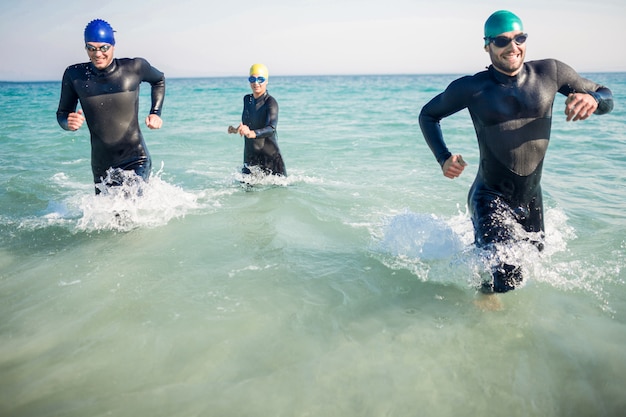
x=135 y=204
x=441 y=250
x=420 y=236
x=258 y=180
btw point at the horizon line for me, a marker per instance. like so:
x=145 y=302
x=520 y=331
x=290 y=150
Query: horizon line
x=198 y=77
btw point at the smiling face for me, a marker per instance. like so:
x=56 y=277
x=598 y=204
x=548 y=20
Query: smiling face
x=100 y=54
x=510 y=58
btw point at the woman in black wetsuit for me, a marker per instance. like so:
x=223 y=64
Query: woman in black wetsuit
x=108 y=91
x=258 y=126
x=511 y=107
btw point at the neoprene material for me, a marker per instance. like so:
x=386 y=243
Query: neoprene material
x=512 y=118
x=500 y=22
x=99 y=30
x=261 y=115
x=110 y=99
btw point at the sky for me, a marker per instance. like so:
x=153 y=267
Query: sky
x=215 y=38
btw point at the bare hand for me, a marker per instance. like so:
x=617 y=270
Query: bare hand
x=245 y=131
x=454 y=166
x=153 y=121
x=580 y=106
x=75 y=120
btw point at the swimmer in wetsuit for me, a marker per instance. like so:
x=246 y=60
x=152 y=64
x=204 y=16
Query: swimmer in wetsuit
x=108 y=91
x=511 y=107
x=258 y=126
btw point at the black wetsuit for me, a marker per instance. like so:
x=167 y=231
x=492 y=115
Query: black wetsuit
x=110 y=102
x=512 y=118
x=261 y=115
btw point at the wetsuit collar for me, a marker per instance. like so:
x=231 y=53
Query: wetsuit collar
x=105 y=71
x=502 y=78
x=261 y=97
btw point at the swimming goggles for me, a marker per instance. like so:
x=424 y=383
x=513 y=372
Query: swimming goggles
x=502 y=41
x=259 y=80
x=102 y=48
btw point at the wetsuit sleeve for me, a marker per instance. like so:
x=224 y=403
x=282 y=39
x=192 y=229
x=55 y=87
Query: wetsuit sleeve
x=271 y=120
x=571 y=82
x=157 y=80
x=604 y=97
x=67 y=101
x=443 y=105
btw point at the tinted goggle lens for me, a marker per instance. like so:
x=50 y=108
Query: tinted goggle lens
x=102 y=48
x=502 y=41
x=253 y=80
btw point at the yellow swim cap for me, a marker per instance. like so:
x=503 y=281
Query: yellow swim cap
x=259 y=69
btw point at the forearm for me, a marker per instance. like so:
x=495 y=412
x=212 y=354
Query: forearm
x=604 y=97
x=67 y=102
x=571 y=82
x=62 y=120
x=157 y=81
x=265 y=132
x=431 y=129
x=157 y=96
x=271 y=120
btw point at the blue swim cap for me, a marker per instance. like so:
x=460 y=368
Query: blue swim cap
x=99 y=31
x=500 y=22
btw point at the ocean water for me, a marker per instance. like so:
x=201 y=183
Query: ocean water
x=345 y=289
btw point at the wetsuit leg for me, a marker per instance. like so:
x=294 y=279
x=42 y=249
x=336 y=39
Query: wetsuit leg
x=278 y=166
x=532 y=219
x=142 y=168
x=271 y=165
x=494 y=223
x=497 y=222
x=115 y=175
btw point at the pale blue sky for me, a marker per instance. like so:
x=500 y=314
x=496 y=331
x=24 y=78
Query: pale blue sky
x=193 y=38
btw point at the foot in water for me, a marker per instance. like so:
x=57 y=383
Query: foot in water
x=488 y=302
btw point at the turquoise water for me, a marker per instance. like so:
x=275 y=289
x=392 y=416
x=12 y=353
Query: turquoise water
x=346 y=289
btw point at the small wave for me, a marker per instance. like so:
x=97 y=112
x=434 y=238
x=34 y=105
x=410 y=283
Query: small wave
x=257 y=179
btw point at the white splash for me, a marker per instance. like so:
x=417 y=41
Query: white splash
x=442 y=250
x=135 y=204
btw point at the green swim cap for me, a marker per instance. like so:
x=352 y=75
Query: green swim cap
x=500 y=22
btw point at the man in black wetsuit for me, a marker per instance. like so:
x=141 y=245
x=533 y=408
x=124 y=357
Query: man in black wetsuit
x=258 y=126
x=511 y=107
x=108 y=91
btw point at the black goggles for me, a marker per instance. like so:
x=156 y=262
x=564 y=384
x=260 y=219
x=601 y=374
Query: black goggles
x=502 y=41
